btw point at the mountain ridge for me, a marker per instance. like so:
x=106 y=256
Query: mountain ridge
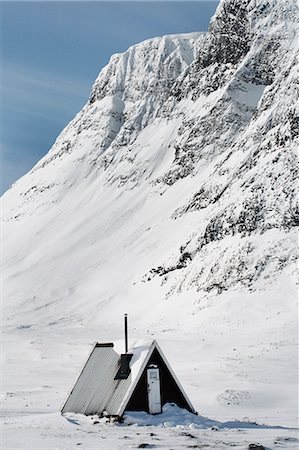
x=171 y=195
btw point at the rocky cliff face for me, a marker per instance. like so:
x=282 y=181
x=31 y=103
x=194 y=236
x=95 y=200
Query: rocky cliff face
x=214 y=113
x=173 y=188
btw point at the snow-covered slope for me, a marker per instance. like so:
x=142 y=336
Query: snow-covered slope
x=170 y=196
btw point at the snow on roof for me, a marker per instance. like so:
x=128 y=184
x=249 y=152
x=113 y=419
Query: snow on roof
x=123 y=389
x=96 y=391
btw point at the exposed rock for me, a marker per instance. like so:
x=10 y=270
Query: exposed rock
x=202 y=126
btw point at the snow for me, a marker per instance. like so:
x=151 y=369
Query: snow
x=170 y=430
x=170 y=197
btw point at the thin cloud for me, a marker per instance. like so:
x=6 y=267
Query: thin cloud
x=17 y=75
x=52 y=53
x=39 y=94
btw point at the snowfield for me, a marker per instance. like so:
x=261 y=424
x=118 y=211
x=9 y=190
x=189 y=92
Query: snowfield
x=171 y=197
x=169 y=431
x=227 y=380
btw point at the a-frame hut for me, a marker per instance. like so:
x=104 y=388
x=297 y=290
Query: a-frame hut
x=139 y=380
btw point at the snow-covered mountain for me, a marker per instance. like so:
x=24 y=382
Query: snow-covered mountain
x=170 y=196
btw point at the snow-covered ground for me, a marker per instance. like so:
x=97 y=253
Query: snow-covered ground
x=170 y=430
x=227 y=378
x=170 y=197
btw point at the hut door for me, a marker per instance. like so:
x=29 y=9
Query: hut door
x=153 y=390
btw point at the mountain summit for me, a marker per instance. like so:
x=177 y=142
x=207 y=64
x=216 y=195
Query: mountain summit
x=171 y=195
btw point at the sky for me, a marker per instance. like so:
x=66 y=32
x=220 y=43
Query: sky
x=51 y=53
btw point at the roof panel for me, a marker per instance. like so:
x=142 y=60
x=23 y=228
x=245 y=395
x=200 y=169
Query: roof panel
x=91 y=385
x=96 y=390
x=102 y=379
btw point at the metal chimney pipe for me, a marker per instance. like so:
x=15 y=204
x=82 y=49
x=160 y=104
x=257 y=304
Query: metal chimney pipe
x=126 y=333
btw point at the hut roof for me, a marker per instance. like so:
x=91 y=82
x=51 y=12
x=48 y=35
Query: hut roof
x=96 y=390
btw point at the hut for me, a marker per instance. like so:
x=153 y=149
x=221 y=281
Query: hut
x=139 y=380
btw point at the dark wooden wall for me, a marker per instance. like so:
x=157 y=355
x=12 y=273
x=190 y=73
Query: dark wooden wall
x=170 y=392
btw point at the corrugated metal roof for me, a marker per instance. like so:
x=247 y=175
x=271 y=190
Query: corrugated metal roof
x=104 y=371
x=96 y=391
x=120 y=389
x=91 y=390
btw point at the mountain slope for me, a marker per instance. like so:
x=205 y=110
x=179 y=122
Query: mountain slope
x=171 y=196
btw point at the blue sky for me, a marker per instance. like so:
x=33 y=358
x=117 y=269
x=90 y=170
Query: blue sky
x=51 y=52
